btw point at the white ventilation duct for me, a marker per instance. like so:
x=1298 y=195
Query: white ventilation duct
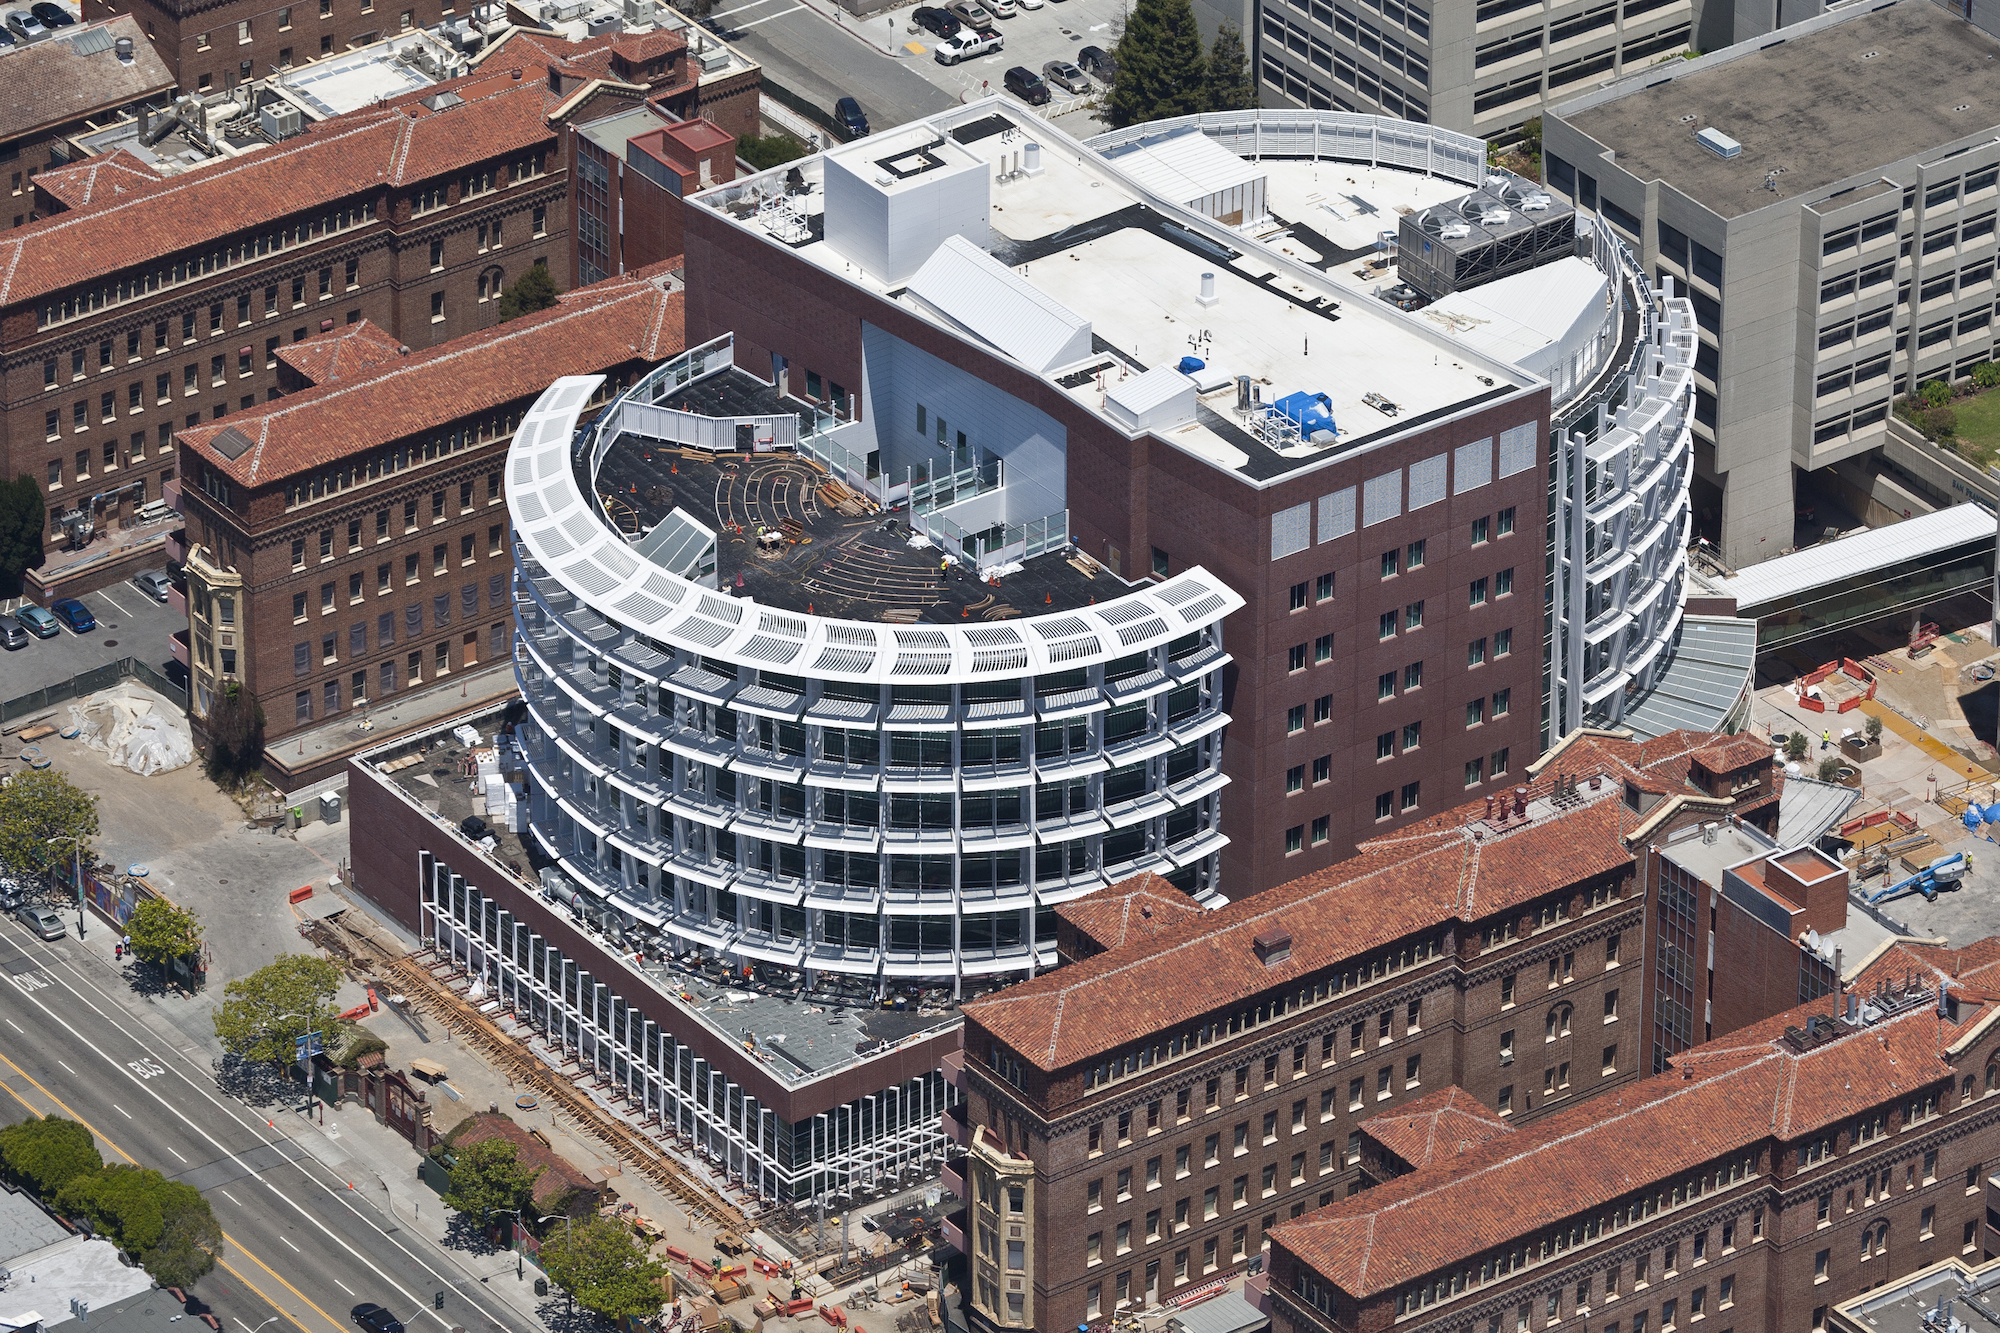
x=1031 y=160
x=1208 y=296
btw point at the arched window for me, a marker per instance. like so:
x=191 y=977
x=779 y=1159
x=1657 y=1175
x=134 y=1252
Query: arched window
x=1992 y=1079
x=1557 y=1023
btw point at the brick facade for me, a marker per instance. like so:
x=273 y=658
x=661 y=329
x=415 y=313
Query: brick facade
x=1129 y=499
x=360 y=526
x=221 y=44
x=1203 y=1081
x=1761 y=1179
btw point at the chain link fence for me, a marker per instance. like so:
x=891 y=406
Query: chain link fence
x=90 y=682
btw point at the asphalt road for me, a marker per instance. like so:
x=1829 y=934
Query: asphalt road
x=129 y=624
x=803 y=52
x=298 y=1240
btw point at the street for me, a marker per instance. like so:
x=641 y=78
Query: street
x=301 y=1237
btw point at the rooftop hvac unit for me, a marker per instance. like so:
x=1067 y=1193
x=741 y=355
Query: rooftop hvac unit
x=599 y=24
x=1502 y=229
x=639 y=13
x=713 y=59
x=280 y=121
x=1715 y=141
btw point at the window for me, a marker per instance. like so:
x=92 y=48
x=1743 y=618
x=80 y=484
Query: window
x=1413 y=735
x=1385 y=686
x=1611 y=1006
x=1413 y=557
x=1386 y=625
x=1322 y=769
x=1475 y=772
x=1819 y=1275
x=1506 y=520
x=1385 y=745
x=1475 y=713
x=1503 y=583
x=1475 y=652
x=1323 y=589
x=1295 y=718
x=1323 y=709
x=1389 y=563
x=1295 y=779
x=1298 y=597
x=437 y=306
x=1409 y=795
x=1295 y=838
x=1385 y=805
x=1413 y=616
x=1413 y=676
x=1477 y=594
x=1296 y=658
x=1322 y=650
x=1319 y=830
x=1480 y=528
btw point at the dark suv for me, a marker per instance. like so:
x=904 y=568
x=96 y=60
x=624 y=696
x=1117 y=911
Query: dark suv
x=848 y=112
x=1027 y=85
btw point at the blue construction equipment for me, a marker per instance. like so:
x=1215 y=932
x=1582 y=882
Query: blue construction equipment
x=1311 y=412
x=1942 y=873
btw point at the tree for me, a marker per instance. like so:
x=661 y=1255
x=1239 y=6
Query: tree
x=1872 y=728
x=130 y=1204
x=43 y=806
x=190 y=1240
x=23 y=517
x=1226 y=84
x=162 y=932
x=264 y=1014
x=1829 y=769
x=599 y=1263
x=235 y=729
x=46 y=1154
x=1159 y=71
x=1796 y=745
x=771 y=150
x=486 y=1178
x=532 y=291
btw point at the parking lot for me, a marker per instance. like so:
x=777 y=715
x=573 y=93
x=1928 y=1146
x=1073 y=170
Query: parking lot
x=129 y=624
x=1056 y=31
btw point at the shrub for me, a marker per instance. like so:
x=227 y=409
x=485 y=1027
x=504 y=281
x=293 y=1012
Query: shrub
x=771 y=150
x=1986 y=375
x=48 y=1153
x=1829 y=769
x=1939 y=423
x=1796 y=745
x=1933 y=393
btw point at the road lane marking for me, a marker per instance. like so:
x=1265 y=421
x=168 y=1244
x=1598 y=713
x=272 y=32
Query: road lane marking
x=172 y=1149
x=231 y=1197
x=228 y=1268
x=65 y=1065
x=427 y=1265
x=113 y=600
x=121 y=1110
x=343 y=1286
x=738 y=27
x=337 y=1326
x=66 y=1110
x=295 y=1249
x=16 y=1026
x=738 y=10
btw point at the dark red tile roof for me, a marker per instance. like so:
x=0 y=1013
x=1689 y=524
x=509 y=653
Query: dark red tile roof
x=1717 y=1099
x=340 y=160
x=351 y=349
x=1435 y=1127
x=637 y=317
x=1454 y=866
x=62 y=80
x=1136 y=908
x=105 y=176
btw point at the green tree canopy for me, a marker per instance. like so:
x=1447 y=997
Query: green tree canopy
x=129 y=1204
x=1159 y=67
x=46 y=1154
x=234 y=727
x=771 y=150
x=23 y=517
x=486 y=1179
x=190 y=1241
x=36 y=809
x=264 y=1014
x=532 y=291
x=1226 y=84
x=162 y=932
x=602 y=1265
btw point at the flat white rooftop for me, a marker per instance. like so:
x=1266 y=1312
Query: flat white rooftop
x=1131 y=263
x=368 y=74
x=1801 y=572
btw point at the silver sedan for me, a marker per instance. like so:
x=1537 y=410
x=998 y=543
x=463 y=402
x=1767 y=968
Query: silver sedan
x=1066 y=76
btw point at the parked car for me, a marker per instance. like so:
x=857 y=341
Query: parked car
x=848 y=112
x=1066 y=76
x=25 y=25
x=376 y=1319
x=1027 y=85
x=13 y=893
x=1001 y=8
x=12 y=636
x=38 y=622
x=154 y=583
x=74 y=614
x=971 y=13
x=1096 y=62
x=42 y=921
x=936 y=21
x=1029 y=4
x=52 y=16
x=968 y=44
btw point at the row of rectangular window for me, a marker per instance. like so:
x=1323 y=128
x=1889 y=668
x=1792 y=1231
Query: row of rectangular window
x=466 y=491
x=385 y=625
x=495 y=546
x=411 y=672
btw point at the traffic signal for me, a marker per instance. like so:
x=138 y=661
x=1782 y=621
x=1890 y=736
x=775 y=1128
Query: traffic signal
x=440 y=1300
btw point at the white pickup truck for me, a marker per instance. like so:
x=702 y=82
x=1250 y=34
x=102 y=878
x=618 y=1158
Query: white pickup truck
x=968 y=43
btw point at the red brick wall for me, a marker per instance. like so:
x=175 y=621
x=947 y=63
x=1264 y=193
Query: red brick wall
x=178 y=38
x=1134 y=495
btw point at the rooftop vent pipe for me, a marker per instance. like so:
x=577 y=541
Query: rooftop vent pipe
x=1208 y=296
x=123 y=47
x=1031 y=159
